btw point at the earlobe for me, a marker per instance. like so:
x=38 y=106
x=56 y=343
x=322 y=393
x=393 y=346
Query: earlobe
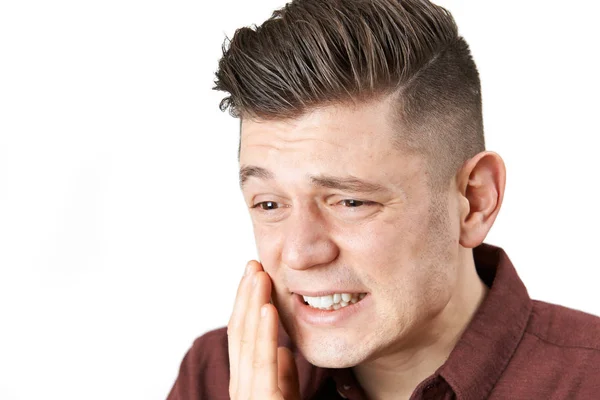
x=481 y=183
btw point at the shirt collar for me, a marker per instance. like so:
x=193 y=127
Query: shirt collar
x=491 y=338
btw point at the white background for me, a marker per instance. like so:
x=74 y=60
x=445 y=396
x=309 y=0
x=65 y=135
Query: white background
x=122 y=229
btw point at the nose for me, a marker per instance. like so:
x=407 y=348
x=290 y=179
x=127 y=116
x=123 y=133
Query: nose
x=307 y=242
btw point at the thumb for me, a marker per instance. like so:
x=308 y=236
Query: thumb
x=287 y=374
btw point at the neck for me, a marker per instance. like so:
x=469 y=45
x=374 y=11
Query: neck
x=395 y=376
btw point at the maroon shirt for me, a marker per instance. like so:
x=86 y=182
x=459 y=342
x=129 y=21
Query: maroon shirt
x=513 y=348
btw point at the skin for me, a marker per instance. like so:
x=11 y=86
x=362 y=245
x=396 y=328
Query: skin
x=408 y=248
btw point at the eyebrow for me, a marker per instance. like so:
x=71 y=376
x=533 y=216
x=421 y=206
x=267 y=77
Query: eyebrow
x=248 y=171
x=350 y=184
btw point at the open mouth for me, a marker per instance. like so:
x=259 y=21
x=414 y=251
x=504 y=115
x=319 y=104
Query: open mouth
x=333 y=302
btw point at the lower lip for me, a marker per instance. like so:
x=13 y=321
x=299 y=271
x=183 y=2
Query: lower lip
x=316 y=317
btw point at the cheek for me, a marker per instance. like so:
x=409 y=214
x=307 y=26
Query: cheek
x=267 y=245
x=407 y=259
x=384 y=248
x=432 y=264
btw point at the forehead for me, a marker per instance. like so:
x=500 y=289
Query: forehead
x=337 y=140
x=362 y=126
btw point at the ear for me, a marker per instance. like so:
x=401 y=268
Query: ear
x=481 y=181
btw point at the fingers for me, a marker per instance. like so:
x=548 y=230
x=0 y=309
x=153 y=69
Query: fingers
x=259 y=294
x=258 y=369
x=287 y=374
x=236 y=323
x=264 y=385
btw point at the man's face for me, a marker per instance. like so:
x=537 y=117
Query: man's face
x=318 y=232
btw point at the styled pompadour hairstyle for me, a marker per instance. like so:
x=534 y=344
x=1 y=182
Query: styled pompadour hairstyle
x=314 y=53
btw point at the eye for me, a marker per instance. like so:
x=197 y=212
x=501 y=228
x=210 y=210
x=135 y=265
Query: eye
x=352 y=203
x=266 y=205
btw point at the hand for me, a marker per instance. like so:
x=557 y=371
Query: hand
x=258 y=369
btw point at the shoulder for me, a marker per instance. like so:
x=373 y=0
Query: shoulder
x=558 y=356
x=204 y=371
x=212 y=345
x=211 y=349
x=564 y=327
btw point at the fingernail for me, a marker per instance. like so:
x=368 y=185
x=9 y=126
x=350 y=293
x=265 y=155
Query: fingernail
x=263 y=311
x=255 y=279
x=248 y=267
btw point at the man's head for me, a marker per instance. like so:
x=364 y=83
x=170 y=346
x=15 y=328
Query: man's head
x=312 y=53
x=363 y=165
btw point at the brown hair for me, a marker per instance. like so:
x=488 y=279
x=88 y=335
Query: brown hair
x=313 y=53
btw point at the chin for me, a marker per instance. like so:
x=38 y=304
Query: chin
x=330 y=351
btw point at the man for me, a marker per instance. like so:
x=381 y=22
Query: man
x=363 y=164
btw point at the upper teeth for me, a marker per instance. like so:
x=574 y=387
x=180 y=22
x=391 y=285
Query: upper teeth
x=334 y=301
